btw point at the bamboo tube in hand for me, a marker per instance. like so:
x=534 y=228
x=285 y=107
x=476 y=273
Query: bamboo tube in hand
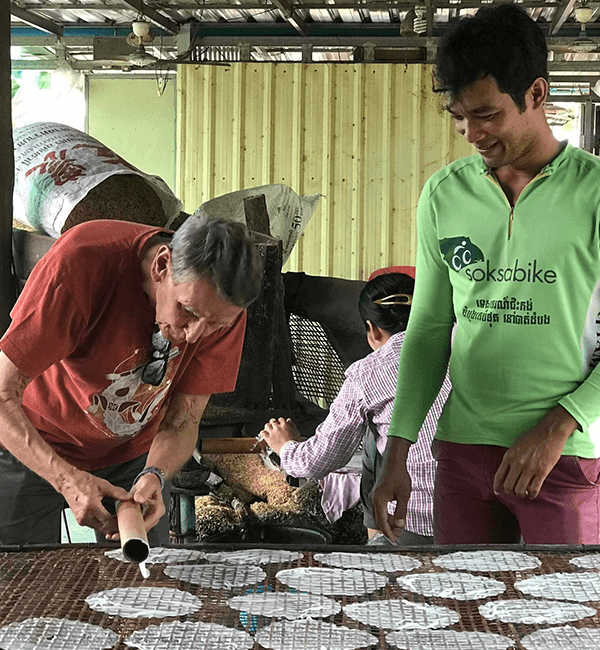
x=132 y=533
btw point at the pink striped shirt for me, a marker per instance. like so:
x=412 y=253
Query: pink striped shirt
x=368 y=394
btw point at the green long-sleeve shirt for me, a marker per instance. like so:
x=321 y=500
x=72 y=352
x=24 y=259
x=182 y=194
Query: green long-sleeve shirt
x=524 y=286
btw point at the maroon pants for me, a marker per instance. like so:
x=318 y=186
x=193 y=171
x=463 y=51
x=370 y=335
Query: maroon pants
x=466 y=510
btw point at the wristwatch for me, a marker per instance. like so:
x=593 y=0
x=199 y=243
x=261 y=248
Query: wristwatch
x=151 y=470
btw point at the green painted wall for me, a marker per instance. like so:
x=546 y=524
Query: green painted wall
x=128 y=116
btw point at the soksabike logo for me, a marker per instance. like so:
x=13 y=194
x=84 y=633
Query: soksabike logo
x=460 y=253
x=518 y=272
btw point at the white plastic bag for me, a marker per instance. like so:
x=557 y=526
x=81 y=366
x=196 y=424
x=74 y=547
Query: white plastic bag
x=288 y=212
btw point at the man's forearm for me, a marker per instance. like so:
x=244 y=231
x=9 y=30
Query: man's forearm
x=21 y=438
x=171 y=450
x=396 y=453
x=176 y=439
x=393 y=484
x=23 y=441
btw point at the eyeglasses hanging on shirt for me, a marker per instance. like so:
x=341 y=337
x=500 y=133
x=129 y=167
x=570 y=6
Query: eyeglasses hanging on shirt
x=154 y=371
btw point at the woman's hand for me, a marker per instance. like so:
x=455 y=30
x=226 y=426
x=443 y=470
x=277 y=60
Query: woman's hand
x=277 y=432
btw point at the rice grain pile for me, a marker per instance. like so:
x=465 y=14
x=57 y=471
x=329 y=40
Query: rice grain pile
x=125 y=197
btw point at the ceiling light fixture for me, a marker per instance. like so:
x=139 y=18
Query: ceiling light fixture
x=140 y=28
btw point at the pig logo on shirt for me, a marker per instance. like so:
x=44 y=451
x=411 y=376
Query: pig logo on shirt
x=460 y=252
x=127 y=404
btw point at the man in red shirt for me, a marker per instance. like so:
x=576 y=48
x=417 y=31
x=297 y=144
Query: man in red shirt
x=120 y=336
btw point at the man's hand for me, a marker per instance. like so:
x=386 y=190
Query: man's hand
x=277 y=432
x=393 y=484
x=84 y=494
x=530 y=459
x=148 y=494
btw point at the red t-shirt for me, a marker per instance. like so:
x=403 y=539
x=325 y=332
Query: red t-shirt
x=82 y=329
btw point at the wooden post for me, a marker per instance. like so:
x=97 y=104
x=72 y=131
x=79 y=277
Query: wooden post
x=274 y=381
x=257 y=217
x=7 y=284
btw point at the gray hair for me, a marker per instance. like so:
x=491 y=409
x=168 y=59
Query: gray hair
x=222 y=250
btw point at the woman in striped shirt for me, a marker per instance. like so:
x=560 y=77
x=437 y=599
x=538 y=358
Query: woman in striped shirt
x=361 y=413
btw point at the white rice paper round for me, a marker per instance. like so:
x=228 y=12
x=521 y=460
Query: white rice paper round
x=144 y=602
x=284 y=604
x=448 y=640
x=591 y=561
x=309 y=634
x=254 y=556
x=563 y=638
x=577 y=587
x=55 y=634
x=534 y=611
x=162 y=555
x=190 y=635
x=401 y=615
x=217 y=576
x=489 y=561
x=389 y=562
x=459 y=586
x=332 y=582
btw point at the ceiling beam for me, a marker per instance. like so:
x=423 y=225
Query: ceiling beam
x=376 y=5
x=69 y=41
x=39 y=22
x=561 y=13
x=272 y=41
x=52 y=64
x=152 y=14
x=291 y=15
x=583 y=66
x=316 y=41
x=84 y=66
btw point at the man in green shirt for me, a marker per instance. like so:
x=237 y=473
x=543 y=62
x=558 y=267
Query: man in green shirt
x=508 y=293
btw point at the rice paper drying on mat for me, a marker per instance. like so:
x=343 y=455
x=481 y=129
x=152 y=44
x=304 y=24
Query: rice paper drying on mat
x=309 y=634
x=332 y=582
x=144 y=602
x=529 y=611
x=284 y=604
x=189 y=635
x=591 y=561
x=401 y=615
x=489 y=561
x=577 y=587
x=389 y=562
x=563 y=638
x=55 y=634
x=459 y=586
x=161 y=555
x=254 y=556
x=217 y=576
x=448 y=640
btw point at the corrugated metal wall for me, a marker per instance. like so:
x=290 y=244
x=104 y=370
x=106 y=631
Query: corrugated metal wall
x=365 y=136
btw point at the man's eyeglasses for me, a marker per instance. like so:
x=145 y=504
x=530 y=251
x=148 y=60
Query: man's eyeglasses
x=154 y=371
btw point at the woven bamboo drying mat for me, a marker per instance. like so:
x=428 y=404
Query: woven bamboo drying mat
x=55 y=581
